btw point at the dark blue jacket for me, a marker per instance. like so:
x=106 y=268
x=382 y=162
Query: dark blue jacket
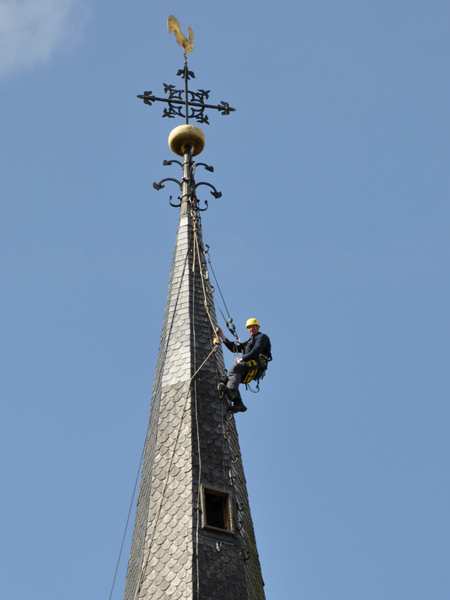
x=252 y=348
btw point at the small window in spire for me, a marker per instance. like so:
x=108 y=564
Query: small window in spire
x=217 y=510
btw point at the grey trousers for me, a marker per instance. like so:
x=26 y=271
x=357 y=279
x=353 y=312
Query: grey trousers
x=236 y=375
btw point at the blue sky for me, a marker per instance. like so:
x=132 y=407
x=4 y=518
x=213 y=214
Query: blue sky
x=333 y=229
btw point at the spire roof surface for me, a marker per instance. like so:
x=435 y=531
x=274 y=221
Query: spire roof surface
x=191 y=441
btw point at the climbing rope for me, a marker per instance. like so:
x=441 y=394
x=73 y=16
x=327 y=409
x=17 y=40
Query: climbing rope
x=250 y=389
x=228 y=319
x=202 y=276
x=125 y=530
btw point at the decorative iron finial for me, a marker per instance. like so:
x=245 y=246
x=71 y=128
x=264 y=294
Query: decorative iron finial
x=185 y=103
x=186 y=140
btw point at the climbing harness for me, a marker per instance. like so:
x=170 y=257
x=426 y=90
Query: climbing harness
x=256 y=372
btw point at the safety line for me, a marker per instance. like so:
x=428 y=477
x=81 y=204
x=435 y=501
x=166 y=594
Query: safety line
x=125 y=531
x=197 y=247
x=217 y=283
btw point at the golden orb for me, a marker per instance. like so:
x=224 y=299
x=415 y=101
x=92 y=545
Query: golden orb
x=185 y=137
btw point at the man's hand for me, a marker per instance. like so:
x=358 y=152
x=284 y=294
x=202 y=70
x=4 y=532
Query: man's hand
x=220 y=334
x=238 y=360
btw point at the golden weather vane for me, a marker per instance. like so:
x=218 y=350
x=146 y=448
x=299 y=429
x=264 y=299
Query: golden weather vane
x=187 y=43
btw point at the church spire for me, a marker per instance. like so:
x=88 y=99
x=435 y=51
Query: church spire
x=193 y=536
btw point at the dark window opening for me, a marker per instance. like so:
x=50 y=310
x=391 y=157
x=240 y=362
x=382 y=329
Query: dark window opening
x=216 y=510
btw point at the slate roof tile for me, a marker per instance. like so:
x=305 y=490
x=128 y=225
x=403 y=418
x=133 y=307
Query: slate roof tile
x=162 y=562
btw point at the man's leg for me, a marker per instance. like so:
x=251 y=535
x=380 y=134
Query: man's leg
x=235 y=377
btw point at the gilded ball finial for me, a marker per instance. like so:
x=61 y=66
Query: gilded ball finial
x=186 y=137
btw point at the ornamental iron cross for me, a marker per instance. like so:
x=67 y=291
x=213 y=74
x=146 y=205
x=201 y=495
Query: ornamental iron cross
x=185 y=103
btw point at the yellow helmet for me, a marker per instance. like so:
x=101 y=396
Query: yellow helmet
x=251 y=321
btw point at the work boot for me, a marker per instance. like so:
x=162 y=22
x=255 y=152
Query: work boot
x=235 y=398
x=238 y=406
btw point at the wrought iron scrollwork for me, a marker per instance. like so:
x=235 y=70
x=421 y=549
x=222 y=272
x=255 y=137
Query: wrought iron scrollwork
x=185 y=73
x=159 y=185
x=168 y=163
x=224 y=108
x=185 y=103
x=213 y=191
x=191 y=186
x=147 y=97
x=209 y=168
x=189 y=105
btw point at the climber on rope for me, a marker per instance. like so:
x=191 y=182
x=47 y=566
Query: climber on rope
x=252 y=365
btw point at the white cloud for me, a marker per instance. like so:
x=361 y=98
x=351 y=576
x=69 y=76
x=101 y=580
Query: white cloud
x=31 y=30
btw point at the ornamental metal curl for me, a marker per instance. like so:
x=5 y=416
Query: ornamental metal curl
x=159 y=185
x=190 y=191
x=209 y=168
x=168 y=163
x=198 y=205
x=214 y=192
